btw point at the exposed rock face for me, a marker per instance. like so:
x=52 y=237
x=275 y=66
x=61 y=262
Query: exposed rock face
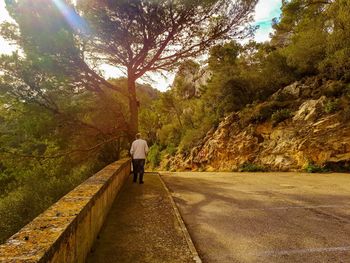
x=310 y=110
x=308 y=136
x=193 y=79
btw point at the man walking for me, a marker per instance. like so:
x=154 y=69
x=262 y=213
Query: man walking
x=138 y=151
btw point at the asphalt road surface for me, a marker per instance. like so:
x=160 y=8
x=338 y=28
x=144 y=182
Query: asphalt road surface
x=265 y=217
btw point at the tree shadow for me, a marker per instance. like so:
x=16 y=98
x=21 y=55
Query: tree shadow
x=233 y=224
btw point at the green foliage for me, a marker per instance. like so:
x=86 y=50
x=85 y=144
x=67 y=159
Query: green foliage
x=275 y=72
x=334 y=89
x=332 y=106
x=251 y=167
x=154 y=155
x=171 y=149
x=264 y=112
x=60 y=121
x=314 y=37
x=170 y=133
x=52 y=141
x=243 y=77
x=307 y=50
x=280 y=115
x=337 y=62
x=36 y=190
x=339 y=167
x=190 y=139
x=52 y=136
x=224 y=57
x=227 y=89
x=313 y=168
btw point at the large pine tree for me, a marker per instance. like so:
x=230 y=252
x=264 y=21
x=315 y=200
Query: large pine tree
x=136 y=35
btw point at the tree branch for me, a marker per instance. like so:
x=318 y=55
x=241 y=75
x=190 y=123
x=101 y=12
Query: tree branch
x=61 y=154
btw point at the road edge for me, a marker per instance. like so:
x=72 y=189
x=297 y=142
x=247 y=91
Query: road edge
x=183 y=227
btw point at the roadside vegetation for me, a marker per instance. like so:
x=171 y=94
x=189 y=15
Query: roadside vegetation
x=60 y=121
x=310 y=44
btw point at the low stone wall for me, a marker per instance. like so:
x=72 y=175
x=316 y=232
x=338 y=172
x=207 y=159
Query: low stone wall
x=66 y=231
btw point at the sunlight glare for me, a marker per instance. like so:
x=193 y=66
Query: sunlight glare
x=74 y=20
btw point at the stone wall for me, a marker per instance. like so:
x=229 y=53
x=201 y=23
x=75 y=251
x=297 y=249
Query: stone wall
x=66 y=231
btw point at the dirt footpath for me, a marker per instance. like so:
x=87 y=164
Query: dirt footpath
x=141 y=227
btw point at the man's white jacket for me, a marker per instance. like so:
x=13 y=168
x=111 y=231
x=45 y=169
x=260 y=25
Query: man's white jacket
x=139 y=149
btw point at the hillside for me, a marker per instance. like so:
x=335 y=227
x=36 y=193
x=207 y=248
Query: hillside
x=304 y=125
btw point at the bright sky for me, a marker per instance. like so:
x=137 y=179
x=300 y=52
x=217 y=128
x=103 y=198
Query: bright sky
x=265 y=11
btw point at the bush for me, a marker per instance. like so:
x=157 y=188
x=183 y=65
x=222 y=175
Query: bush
x=169 y=133
x=313 y=168
x=282 y=96
x=280 y=115
x=263 y=112
x=171 y=149
x=339 y=167
x=251 y=167
x=37 y=189
x=191 y=138
x=153 y=156
x=334 y=89
x=332 y=106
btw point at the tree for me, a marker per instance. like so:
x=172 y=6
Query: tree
x=337 y=62
x=227 y=90
x=77 y=120
x=302 y=34
x=140 y=36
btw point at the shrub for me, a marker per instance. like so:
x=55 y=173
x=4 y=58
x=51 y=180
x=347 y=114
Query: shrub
x=334 y=89
x=154 y=155
x=37 y=189
x=314 y=168
x=331 y=106
x=171 y=149
x=340 y=167
x=169 y=133
x=280 y=115
x=7 y=183
x=282 y=96
x=191 y=138
x=251 y=167
x=265 y=111
x=263 y=114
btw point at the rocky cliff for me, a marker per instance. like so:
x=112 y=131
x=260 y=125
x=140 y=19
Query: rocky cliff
x=302 y=125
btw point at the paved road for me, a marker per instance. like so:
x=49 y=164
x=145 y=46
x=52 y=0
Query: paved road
x=141 y=227
x=287 y=217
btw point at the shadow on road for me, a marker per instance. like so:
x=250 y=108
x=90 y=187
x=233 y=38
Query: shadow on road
x=258 y=218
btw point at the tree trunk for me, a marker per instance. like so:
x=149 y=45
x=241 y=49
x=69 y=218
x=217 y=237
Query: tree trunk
x=133 y=105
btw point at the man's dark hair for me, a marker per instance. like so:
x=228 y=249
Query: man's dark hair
x=138 y=135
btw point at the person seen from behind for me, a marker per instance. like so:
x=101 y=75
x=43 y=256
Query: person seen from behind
x=138 y=151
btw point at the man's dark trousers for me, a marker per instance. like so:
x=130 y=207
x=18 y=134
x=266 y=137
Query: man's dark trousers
x=138 y=166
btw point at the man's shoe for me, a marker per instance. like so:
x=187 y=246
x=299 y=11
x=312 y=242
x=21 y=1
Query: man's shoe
x=141 y=182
